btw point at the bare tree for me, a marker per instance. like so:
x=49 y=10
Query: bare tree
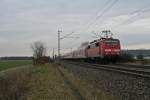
x=39 y=49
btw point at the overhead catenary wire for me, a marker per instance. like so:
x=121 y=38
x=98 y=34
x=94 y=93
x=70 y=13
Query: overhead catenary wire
x=135 y=13
x=91 y=19
x=97 y=13
x=106 y=8
x=99 y=16
x=102 y=14
x=67 y=35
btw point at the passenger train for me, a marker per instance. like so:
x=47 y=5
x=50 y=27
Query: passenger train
x=103 y=49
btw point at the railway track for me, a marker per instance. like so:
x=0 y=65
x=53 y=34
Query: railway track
x=134 y=65
x=130 y=70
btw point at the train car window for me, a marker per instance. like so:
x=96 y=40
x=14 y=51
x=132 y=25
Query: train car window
x=93 y=45
x=97 y=44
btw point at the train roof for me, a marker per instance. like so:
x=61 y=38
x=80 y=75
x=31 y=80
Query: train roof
x=101 y=39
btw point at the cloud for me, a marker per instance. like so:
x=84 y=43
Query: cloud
x=25 y=21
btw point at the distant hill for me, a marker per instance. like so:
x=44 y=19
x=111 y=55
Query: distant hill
x=135 y=53
x=16 y=58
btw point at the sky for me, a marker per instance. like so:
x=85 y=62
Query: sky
x=23 y=22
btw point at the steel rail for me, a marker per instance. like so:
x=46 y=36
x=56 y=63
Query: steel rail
x=135 y=72
x=134 y=65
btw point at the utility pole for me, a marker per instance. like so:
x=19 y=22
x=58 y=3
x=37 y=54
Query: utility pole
x=61 y=38
x=59 y=31
x=53 y=54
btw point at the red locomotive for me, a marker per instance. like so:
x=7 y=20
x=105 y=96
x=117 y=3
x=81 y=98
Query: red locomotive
x=106 y=48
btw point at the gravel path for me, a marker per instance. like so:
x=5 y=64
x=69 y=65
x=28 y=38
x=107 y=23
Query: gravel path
x=123 y=87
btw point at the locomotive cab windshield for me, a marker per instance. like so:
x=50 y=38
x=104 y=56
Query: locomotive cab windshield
x=112 y=42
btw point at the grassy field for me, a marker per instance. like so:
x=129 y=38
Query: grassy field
x=6 y=64
x=47 y=82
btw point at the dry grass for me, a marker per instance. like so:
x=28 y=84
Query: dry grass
x=34 y=83
x=46 y=83
x=13 y=84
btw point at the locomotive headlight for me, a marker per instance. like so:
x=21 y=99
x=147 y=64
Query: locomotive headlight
x=107 y=50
